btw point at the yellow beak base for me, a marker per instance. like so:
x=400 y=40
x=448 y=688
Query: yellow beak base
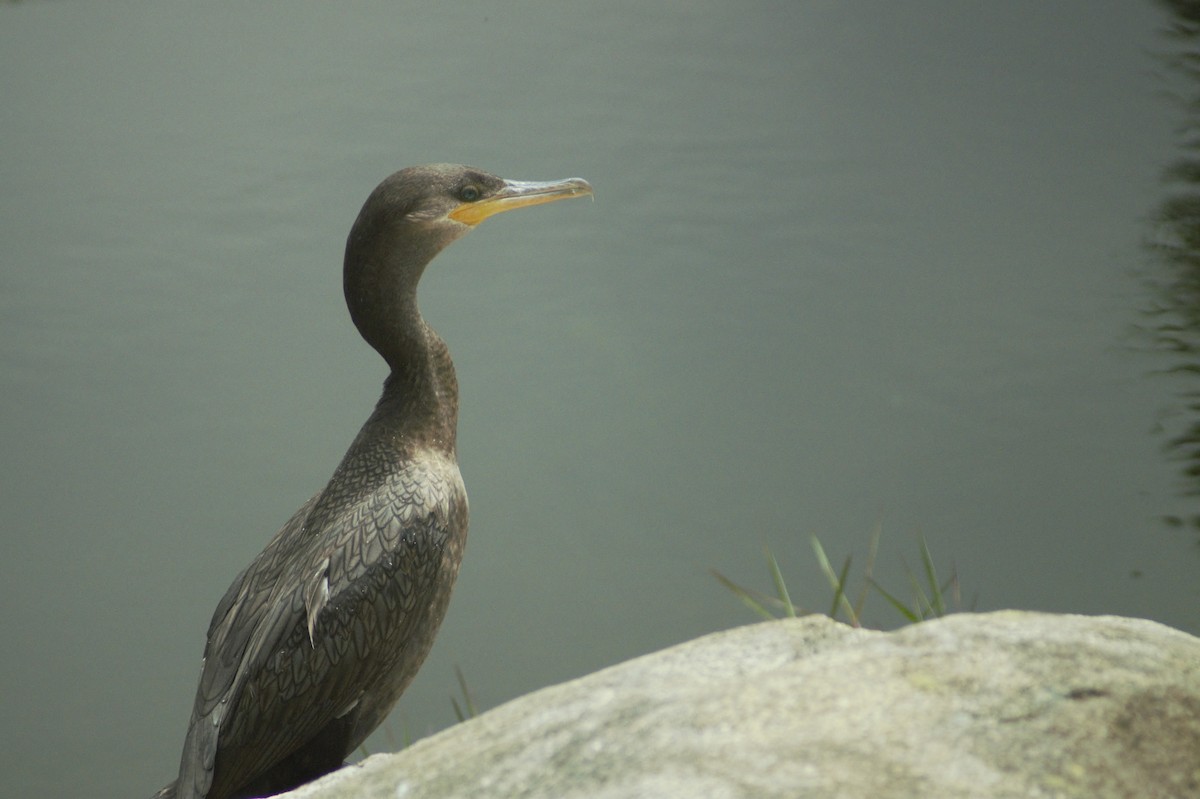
x=519 y=194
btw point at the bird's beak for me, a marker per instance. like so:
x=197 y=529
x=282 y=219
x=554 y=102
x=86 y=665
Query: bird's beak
x=518 y=194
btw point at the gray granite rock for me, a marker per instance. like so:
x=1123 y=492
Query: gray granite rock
x=1008 y=704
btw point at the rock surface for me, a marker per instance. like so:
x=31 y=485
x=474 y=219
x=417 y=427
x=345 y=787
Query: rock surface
x=1008 y=704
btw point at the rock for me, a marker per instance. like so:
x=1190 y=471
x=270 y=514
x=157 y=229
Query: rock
x=1008 y=704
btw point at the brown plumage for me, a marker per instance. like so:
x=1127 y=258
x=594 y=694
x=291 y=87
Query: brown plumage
x=316 y=639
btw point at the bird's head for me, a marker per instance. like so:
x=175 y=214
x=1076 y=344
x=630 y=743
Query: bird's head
x=430 y=206
x=410 y=217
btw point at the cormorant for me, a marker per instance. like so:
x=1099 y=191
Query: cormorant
x=317 y=638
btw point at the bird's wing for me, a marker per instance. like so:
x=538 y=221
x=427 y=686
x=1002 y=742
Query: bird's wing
x=283 y=630
x=234 y=621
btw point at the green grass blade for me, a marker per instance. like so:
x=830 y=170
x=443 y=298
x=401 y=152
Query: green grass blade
x=836 y=582
x=780 y=586
x=951 y=586
x=872 y=550
x=468 y=700
x=920 y=598
x=839 y=596
x=827 y=570
x=390 y=735
x=900 y=607
x=938 y=601
x=747 y=596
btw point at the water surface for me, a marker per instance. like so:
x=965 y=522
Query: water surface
x=848 y=265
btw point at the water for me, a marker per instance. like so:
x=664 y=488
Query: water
x=847 y=265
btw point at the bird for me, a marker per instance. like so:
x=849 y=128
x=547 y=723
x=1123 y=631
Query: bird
x=317 y=638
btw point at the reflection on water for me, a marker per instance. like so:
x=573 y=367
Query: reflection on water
x=1176 y=313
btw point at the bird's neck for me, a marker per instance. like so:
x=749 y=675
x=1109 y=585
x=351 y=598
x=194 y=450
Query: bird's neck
x=419 y=405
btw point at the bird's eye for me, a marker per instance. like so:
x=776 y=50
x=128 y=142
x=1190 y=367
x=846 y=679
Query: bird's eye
x=469 y=193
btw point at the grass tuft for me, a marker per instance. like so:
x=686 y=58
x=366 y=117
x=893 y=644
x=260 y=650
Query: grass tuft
x=467 y=710
x=931 y=598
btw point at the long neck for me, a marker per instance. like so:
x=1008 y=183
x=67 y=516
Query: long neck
x=419 y=405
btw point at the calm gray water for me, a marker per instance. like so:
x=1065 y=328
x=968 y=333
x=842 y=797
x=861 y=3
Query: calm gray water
x=848 y=265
